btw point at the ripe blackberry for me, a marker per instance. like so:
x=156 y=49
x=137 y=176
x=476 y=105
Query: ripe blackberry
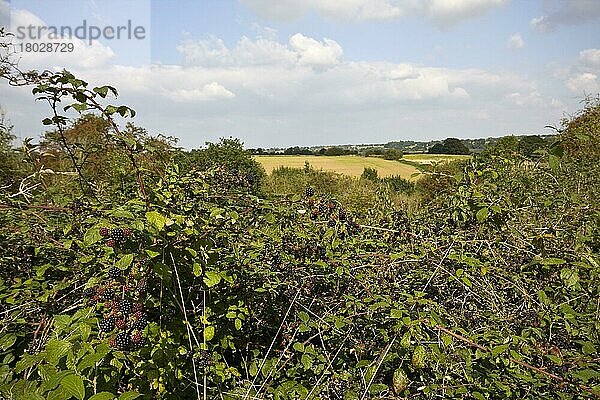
x=309 y=192
x=104 y=232
x=107 y=324
x=141 y=322
x=88 y=292
x=121 y=324
x=125 y=307
x=114 y=273
x=108 y=294
x=117 y=235
x=122 y=341
x=331 y=223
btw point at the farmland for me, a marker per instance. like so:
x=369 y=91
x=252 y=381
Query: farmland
x=347 y=165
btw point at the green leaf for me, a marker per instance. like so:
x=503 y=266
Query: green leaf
x=212 y=278
x=569 y=276
x=124 y=262
x=238 y=324
x=307 y=361
x=129 y=396
x=554 y=162
x=91 y=236
x=209 y=333
x=482 y=214
x=156 y=219
x=6 y=341
x=56 y=349
x=73 y=385
x=102 y=396
x=303 y=316
x=299 y=347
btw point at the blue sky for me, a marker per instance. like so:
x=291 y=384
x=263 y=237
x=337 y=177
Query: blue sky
x=281 y=73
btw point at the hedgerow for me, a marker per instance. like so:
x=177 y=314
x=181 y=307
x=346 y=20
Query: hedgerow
x=198 y=286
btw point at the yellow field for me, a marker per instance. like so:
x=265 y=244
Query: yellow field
x=347 y=165
x=431 y=158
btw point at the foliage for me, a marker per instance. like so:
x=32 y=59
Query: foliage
x=449 y=146
x=370 y=174
x=487 y=291
x=230 y=157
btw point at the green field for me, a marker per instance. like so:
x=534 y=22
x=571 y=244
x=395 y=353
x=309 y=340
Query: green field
x=431 y=158
x=347 y=165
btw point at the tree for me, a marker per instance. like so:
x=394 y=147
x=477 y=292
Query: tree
x=449 y=146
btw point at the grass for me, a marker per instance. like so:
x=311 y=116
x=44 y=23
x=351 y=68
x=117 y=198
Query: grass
x=347 y=165
x=431 y=158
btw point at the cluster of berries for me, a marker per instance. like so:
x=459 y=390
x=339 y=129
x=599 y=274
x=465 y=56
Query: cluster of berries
x=225 y=178
x=122 y=297
x=115 y=236
x=329 y=209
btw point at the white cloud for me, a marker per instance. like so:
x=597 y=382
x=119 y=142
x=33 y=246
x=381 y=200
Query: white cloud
x=450 y=12
x=443 y=13
x=590 y=57
x=584 y=83
x=313 y=52
x=515 y=41
x=566 y=13
x=210 y=91
x=301 y=50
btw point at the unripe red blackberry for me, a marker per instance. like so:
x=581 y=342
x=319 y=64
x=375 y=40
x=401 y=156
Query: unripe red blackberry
x=136 y=338
x=142 y=285
x=104 y=232
x=111 y=243
x=107 y=324
x=137 y=308
x=122 y=341
x=121 y=324
x=127 y=232
x=112 y=343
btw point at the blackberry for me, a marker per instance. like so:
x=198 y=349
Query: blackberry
x=309 y=192
x=104 y=232
x=127 y=232
x=125 y=307
x=117 y=235
x=107 y=324
x=122 y=341
x=331 y=223
x=142 y=285
x=141 y=322
x=88 y=292
x=110 y=243
x=114 y=273
x=108 y=294
x=137 y=308
x=136 y=338
x=121 y=324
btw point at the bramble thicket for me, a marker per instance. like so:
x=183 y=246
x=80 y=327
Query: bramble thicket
x=131 y=268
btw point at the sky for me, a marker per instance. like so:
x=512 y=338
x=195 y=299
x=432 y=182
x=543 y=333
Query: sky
x=322 y=72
